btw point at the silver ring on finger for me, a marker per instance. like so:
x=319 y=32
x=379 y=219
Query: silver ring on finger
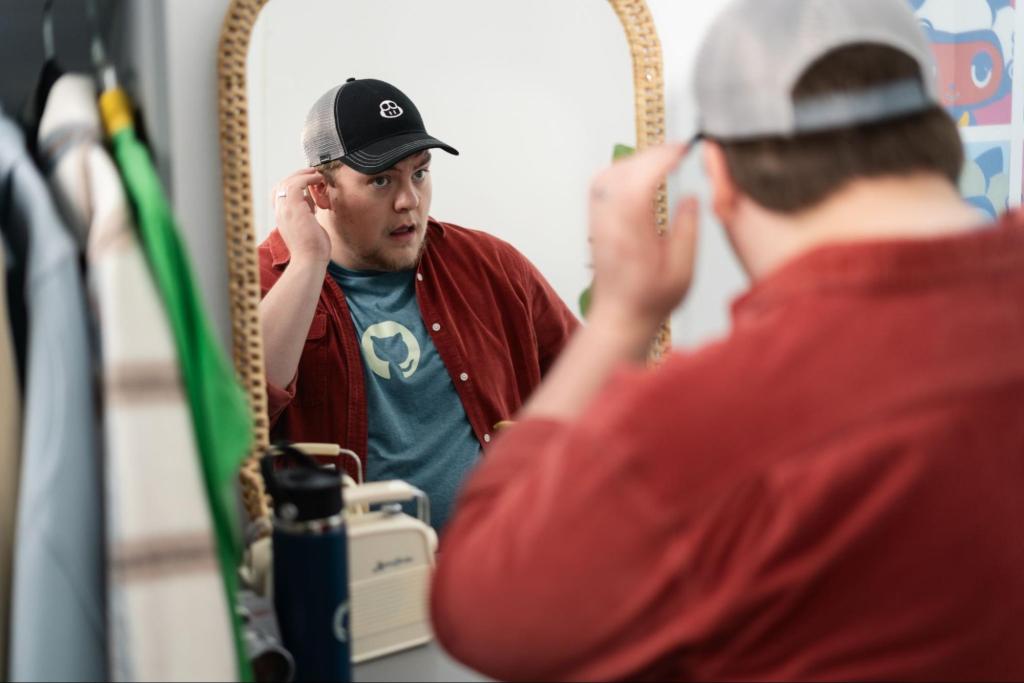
x=282 y=194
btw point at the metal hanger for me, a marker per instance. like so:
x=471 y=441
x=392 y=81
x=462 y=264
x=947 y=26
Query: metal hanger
x=105 y=71
x=49 y=72
x=49 y=45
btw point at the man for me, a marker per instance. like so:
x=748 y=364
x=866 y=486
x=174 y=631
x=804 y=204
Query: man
x=402 y=338
x=834 y=490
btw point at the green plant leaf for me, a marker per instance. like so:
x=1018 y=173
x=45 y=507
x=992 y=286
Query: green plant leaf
x=585 y=301
x=621 y=151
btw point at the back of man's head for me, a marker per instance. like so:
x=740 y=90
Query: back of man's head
x=804 y=96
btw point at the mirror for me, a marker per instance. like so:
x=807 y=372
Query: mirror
x=534 y=95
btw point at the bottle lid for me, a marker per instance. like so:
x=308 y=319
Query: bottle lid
x=303 y=490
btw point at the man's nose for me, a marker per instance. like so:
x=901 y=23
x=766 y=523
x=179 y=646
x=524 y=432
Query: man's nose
x=407 y=199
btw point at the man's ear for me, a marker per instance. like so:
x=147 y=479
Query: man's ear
x=318 y=191
x=725 y=195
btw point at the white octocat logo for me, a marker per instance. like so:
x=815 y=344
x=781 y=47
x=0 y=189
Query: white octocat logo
x=396 y=343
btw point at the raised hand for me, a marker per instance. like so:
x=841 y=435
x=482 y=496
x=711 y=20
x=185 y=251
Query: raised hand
x=294 y=212
x=639 y=277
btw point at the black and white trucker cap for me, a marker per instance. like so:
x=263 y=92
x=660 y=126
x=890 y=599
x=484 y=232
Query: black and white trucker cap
x=367 y=124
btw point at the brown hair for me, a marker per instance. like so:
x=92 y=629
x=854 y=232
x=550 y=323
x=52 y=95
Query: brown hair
x=791 y=174
x=327 y=170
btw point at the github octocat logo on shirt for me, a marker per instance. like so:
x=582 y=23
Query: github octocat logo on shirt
x=389 y=343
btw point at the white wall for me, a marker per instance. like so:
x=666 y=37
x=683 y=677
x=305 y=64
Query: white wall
x=192 y=29
x=175 y=48
x=190 y=142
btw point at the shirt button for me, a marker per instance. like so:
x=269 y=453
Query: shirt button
x=487 y=438
x=464 y=377
x=436 y=327
x=419 y=276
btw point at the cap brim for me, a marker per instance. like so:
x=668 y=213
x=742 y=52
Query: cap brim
x=383 y=154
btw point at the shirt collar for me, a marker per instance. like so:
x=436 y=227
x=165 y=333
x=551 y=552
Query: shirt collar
x=891 y=265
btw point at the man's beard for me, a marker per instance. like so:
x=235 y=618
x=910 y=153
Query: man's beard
x=382 y=260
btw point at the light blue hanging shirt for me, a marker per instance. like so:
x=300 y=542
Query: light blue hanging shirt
x=57 y=624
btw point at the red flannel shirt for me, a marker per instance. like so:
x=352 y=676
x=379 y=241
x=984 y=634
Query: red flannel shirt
x=833 y=492
x=496 y=322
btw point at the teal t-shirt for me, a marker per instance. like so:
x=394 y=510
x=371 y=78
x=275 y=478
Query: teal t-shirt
x=418 y=430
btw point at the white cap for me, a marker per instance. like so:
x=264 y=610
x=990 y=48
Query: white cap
x=756 y=51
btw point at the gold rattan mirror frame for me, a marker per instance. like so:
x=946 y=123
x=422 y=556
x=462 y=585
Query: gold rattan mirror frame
x=236 y=174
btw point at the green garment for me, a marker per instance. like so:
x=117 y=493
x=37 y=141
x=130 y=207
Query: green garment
x=220 y=412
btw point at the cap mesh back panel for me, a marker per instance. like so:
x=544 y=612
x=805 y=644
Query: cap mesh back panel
x=320 y=141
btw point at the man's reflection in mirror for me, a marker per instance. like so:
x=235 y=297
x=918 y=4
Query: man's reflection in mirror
x=385 y=331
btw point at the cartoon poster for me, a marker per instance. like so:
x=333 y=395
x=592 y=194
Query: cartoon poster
x=972 y=41
x=985 y=180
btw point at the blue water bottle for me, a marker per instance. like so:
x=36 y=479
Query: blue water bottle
x=310 y=564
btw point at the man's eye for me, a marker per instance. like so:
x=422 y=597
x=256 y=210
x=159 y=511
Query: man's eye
x=380 y=181
x=421 y=174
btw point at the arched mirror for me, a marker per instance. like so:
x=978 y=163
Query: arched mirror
x=534 y=94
